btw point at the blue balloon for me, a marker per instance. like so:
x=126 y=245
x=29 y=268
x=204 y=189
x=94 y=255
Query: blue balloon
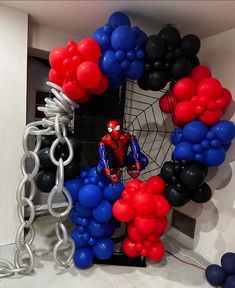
x=117 y=81
x=195 y=131
x=73 y=186
x=177 y=136
x=205 y=144
x=183 y=151
x=119 y=18
x=136 y=70
x=224 y=130
x=93 y=172
x=103 y=212
x=102 y=39
x=73 y=216
x=90 y=195
x=110 y=228
x=215 y=143
x=213 y=157
x=228 y=263
x=77 y=236
x=123 y=38
x=113 y=192
x=226 y=146
x=215 y=275
x=83 y=211
x=97 y=229
x=230 y=281
x=140 y=36
x=103 y=249
x=83 y=174
x=197 y=148
x=83 y=258
x=109 y=64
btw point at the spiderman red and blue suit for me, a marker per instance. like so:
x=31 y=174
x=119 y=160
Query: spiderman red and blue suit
x=113 y=153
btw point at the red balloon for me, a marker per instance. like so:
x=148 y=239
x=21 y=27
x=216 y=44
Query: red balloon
x=184 y=89
x=123 y=211
x=134 y=185
x=199 y=110
x=129 y=249
x=199 y=73
x=209 y=87
x=88 y=74
x=155 y=185
x=227 y=96
x=143 y=203
x=162 y=206
x=185 y=112
x=211 y=117
x=101 y=87
x=168 y=102
x=89 y=49
x=156 y=251
x=127 y=196
x=56 y=58
x=161 y=226
x=74 y=91
x=145 y=224
x=55 y=77
x=133 y=234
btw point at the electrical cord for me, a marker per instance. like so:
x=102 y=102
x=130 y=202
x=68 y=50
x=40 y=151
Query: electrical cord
x=202 y=267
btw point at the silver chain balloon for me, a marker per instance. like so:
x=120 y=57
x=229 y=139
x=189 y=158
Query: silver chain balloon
x=58 y=114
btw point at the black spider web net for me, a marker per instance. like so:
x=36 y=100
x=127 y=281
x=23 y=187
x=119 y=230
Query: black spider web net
x=142 y=117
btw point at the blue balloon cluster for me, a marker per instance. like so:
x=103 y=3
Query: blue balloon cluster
x=222 y=276
x=208 y=145
x=122 y=49
x=93 y=196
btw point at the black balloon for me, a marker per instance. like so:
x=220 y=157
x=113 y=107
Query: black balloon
x=202 y=194
x=45 y=181
x=72 y=170
x=155 y=47
x=180 y=68
x=194 y=61
x=175 y=197
x=46 y=142
x=190 y=44
x=168 y=173
x=157 y=80
x=143 y=83
x=171 y=35
x=192 y=176
x=45 y=160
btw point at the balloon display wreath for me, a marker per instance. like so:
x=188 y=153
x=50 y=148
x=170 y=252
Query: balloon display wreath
x=196 y=101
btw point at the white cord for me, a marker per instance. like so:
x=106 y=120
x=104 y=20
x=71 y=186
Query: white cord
x=185 y=255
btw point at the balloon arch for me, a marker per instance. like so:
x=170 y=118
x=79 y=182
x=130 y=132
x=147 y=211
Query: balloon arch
x=195 y=100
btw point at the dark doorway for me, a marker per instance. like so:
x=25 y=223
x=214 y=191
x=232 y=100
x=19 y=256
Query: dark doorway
x=91 y=118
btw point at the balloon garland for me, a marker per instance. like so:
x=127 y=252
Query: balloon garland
x=168 y=58
x=122 y=49
x=196 y=102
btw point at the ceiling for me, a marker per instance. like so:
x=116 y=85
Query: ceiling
x=81 y=18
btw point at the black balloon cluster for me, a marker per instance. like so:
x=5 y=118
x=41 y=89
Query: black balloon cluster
x=185 y=182
x=46 y=177
x=168 y=57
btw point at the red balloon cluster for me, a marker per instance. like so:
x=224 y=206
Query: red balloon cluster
x=75 y=68
x=198 y=96
x=145 y=208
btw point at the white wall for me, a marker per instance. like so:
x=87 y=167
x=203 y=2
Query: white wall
x=44 y=38
x=215 y=228
x=13 y=71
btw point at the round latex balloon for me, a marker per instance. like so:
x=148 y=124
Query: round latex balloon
x=89 y=49
x=123 y=38
x=88 y=74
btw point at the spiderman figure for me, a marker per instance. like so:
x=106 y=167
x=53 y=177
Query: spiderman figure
x=113 y=153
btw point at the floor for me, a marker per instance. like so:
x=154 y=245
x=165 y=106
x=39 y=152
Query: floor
x=169 y=273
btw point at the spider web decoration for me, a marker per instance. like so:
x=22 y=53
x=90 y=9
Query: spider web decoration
x=144 y=119
x=141 y=116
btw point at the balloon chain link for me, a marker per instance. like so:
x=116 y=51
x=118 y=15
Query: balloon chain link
x=58 y=114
